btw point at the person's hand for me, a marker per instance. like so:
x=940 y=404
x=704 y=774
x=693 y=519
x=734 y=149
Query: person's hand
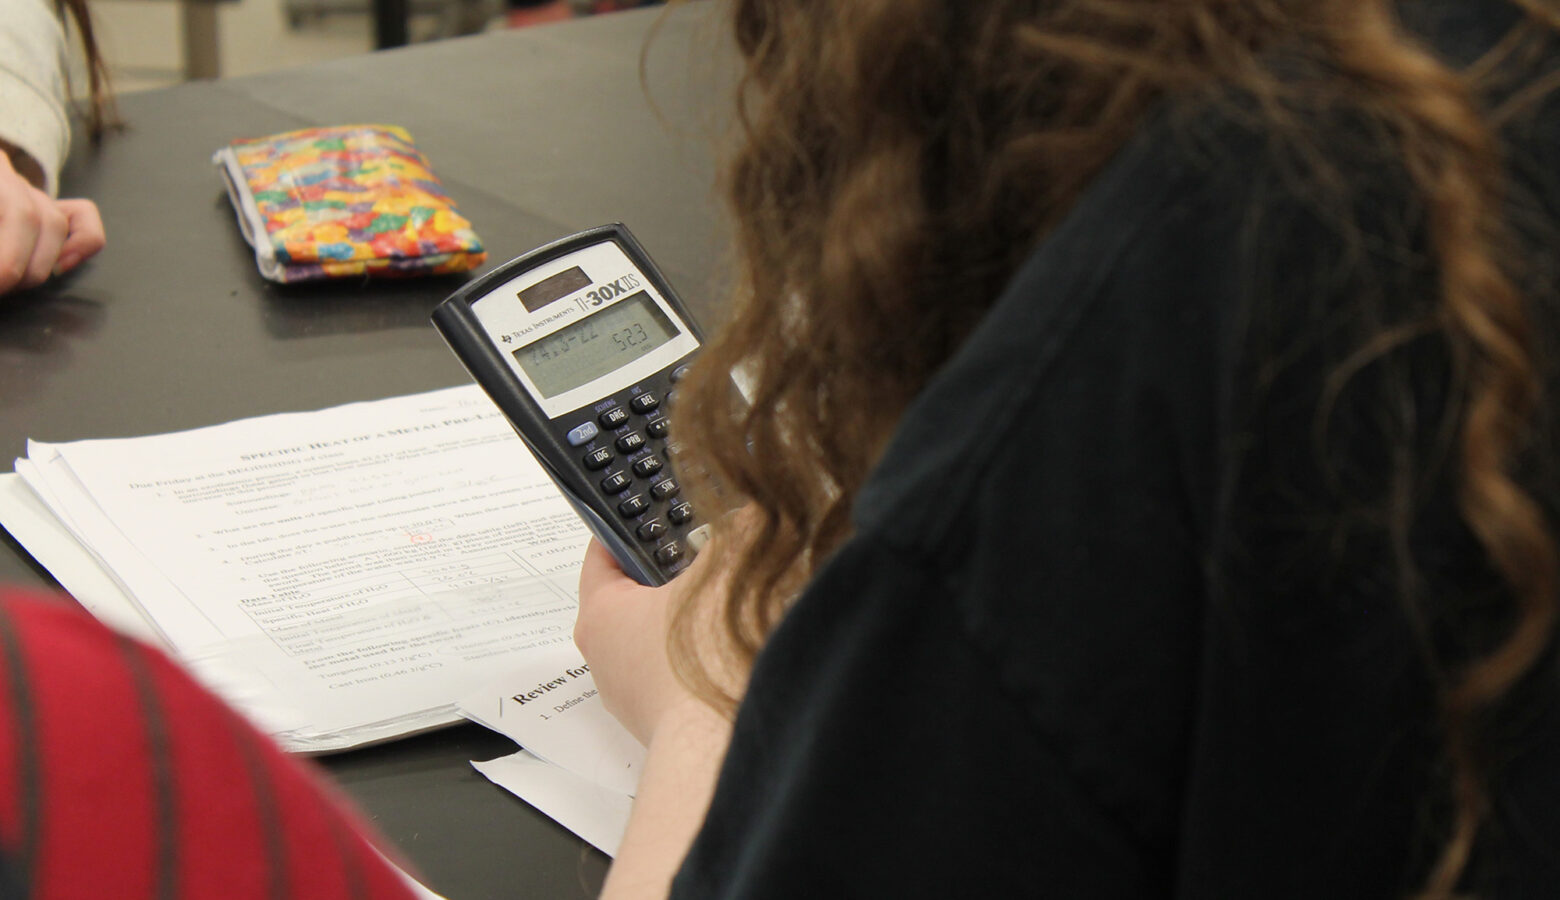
x=41 y=236
x=622 y=631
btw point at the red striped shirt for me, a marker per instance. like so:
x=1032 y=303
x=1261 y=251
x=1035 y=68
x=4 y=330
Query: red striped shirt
x=120 y=777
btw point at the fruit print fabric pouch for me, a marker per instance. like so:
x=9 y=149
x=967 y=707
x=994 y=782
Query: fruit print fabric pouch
x=345 y=201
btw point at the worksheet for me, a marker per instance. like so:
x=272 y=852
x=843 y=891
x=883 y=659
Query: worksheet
x=345 y=574
x=547 y=702
x=579 y=766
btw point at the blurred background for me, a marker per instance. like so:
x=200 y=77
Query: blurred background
x=157 y=43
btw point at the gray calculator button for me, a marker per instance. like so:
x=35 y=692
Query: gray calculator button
x=598 y=458
x=651 y=531
x=584 y=434
x=669 y=553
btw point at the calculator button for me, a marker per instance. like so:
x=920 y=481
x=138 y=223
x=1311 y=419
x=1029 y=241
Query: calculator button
x=680 y=513
x=633 y=506
x=645 y=402
x=698 y=537
x=630 y=442
x=663 y=489
x=648 y=466
x=651 y=531
x=615 y=417
x=583 y=435
x=669 y=553
x=657 y=428
x=679 y=373
x=599 y=458
x=616 y=482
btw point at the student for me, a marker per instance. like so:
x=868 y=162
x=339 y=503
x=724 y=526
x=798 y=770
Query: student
x=1149 y=484
x=39 y=234
x=119 y=777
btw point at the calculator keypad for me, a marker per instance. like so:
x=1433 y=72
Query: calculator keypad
x=629 y=446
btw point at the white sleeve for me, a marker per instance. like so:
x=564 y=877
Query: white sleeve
x=33 y=97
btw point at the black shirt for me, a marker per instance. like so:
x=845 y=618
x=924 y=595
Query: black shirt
x=1119 y=617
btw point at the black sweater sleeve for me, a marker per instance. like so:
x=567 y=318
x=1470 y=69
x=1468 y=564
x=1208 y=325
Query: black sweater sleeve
x=886 y=759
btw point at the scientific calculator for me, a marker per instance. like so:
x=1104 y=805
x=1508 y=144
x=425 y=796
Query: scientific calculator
x=581 y=343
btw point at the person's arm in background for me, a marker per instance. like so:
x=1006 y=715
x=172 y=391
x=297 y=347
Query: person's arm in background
x=39 y=235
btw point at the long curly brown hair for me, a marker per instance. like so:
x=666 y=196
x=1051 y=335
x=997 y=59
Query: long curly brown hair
x=898 y=159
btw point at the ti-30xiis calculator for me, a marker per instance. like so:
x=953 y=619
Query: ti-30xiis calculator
x=580 y=343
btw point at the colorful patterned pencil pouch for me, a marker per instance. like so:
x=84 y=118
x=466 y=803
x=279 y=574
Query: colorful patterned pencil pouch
x=345 y=201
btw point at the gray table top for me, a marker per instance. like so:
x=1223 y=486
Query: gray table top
x=536 y=133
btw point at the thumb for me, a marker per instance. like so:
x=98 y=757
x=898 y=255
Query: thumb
x=85 y=235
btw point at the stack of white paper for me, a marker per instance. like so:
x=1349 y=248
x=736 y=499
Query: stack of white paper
x=343 y=576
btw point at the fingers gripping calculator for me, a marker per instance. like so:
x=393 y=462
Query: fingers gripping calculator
x=580 y=343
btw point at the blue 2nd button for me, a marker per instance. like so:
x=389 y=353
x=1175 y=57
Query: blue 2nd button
x=583 y=434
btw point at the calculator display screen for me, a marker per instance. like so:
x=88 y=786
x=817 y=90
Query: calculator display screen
x=590 y=348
